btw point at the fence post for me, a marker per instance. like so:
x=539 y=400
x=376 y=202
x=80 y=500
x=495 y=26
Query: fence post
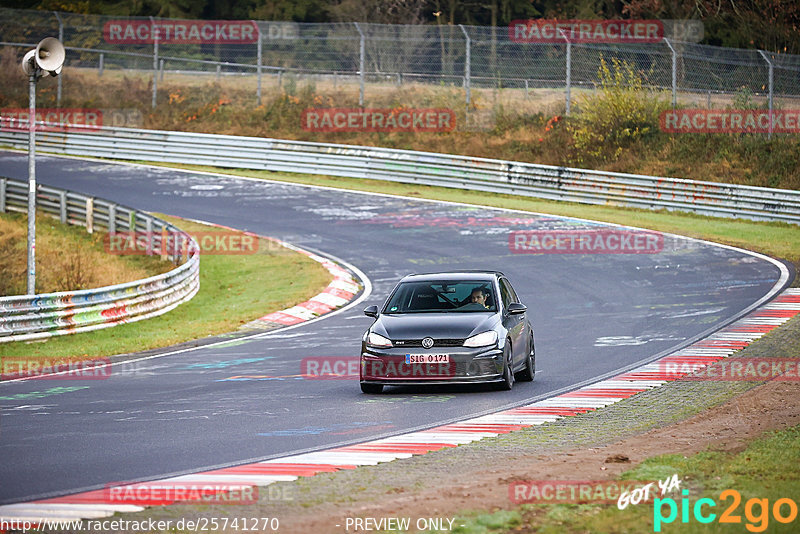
x=771 y=72
x=3 y=186
x=161 y=69
x=467 y=65
x=259 y=53
x=569 y=69
x=674 y=74
x=100 y=66
x=61 y=40
x=361 y=53
x=219 y=69
x=154 y=33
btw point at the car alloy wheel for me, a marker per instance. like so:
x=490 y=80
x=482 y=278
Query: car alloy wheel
x=527 y=374
x=508 y=370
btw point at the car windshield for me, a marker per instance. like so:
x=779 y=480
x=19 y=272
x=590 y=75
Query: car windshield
x=451 y=296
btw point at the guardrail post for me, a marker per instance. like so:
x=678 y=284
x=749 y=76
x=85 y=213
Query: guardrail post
x=62 y=206
x=112 y=218
x=132 y=222
x=258 y=65
x=3 y=186
x=90 y=215
x=771 y=72
x=467 y=65
x=149 y=232
x=219 y=69
x=361 y=53
x=674 y=74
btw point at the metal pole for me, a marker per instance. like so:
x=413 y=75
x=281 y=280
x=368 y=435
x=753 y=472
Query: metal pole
x=258 y=67
x=569 y=75
x=674 y=74
x=60 y=40
x=771 y=72
x=32 y=182
x=100 y=67
x=467 y=64
x=154 y=33
x=361 y=53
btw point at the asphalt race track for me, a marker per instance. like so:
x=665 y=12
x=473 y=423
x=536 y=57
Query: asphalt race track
x=594 y=314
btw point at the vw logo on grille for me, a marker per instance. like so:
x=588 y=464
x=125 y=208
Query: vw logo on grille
x=427 y=342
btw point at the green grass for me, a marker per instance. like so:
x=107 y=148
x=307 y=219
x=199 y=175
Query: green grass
x=781 y=240
x=234 y=289
x=768 y=469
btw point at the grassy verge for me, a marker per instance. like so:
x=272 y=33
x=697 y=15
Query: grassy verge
x=766 y=471
x=780 y=240
x=234 y=289
x=67 y=258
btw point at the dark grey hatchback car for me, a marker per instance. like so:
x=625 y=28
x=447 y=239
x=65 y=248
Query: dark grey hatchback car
x=448 y=328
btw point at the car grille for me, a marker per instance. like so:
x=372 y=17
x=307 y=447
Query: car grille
x=436 y=343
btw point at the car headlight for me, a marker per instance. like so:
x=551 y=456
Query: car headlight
x=376 y=340
x=481 y=340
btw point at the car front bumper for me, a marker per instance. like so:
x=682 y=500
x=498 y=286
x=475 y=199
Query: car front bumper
x=466 y=366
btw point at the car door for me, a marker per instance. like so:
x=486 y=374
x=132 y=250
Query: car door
x=515 y=324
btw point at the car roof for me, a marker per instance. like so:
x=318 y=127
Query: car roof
x=477 y=275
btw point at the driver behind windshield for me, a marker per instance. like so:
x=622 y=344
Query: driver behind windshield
x=479 y=296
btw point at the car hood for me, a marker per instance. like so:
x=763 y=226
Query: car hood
x=435 y=325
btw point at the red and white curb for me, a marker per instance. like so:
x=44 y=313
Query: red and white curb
x=723 y=343
x=339 y=292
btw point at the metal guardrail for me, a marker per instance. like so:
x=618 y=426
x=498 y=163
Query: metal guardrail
x=481 y=174
x=26 y=317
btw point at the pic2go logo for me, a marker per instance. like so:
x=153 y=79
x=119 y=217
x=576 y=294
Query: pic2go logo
x=756 y=511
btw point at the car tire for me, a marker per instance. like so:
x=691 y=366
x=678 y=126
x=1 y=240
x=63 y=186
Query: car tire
x=527 y=374
x=508 y=371
x=371 y=388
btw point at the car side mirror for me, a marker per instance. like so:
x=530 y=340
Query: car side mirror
x=515 y=308
x=371 y=311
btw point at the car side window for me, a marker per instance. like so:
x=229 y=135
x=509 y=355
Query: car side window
x=505 y=294
x=514 y=297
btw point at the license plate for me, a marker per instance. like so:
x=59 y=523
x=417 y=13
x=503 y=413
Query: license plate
x=427 y=358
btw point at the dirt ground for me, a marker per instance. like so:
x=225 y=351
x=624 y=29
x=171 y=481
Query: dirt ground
x=478 y=485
